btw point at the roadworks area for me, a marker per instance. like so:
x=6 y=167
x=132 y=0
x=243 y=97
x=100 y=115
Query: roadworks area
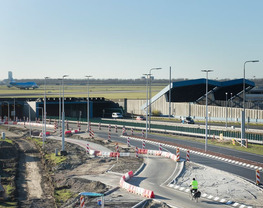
x=33 y=176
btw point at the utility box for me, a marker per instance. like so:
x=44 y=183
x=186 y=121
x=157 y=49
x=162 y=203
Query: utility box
x=3 y=135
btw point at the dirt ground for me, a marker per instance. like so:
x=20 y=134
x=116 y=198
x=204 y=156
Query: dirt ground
x=42 y=183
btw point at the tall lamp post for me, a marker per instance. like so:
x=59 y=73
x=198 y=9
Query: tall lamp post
x=206 y=109
x=146 y=130
x=231 y=104
x=226 y=109
x=45 y=113
x=88 y=127
x=59 y=104
x=43 y=138
x=63 y=152
x=243 y=113
x=150 y=94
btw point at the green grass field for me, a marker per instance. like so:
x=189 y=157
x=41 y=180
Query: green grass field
x=112 y=92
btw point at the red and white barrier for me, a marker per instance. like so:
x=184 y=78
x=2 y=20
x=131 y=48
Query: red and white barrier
x=109 y=128
x=188 y=155
x=160 y=147
x=128 y=142
x=82 y=201
x=109 y=136
x=116 y=129
x=257 y=177
x=143 y=144
x=117 y=147
x=137 y=152
x=134 y=189
x=177 y=154
x=123 y=130
x=47 y=134
x=88 y=150
x=142 y=133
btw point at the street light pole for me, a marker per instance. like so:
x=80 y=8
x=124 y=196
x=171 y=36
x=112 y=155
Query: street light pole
x=63 y=119
x=226 y=109
x=146 y=130
x=231 y=104
x=45 y=113
x=43 y=138
x=150 y=94
x=206 y=109
x=88 y=127
x=59 y=103
x=243 y=113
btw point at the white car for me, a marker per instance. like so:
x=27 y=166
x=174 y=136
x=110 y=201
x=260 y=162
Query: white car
x=116 y=115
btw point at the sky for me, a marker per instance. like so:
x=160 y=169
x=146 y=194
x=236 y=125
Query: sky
x=124 y=39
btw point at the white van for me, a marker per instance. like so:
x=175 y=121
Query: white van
x=116 y=115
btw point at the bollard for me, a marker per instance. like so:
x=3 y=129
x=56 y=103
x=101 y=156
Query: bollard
x=137 y=152
x=188 y=155
x=160 y=147
x=82 y=202
x=128 y=142
x=99 y=126
x=177 y=154
x=117 y=147
x=109 y=137
x=257 y=177
x=131 y=131
x=87 y=146
x=116 y=129
x=143 y=144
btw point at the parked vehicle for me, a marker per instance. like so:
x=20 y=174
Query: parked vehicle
x=187 y=120
x=140 y=118
x=117 y=115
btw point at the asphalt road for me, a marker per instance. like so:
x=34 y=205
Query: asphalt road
x=241 y=171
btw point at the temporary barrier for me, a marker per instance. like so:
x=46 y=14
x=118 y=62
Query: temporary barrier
x=188 y=155
x=117 y=147
x=143 y=144
x=109 y=137
x=88 y=150
x=177 y=154
x=128 y=142
x=257 y=177
x=68 y=132
x=142 y=133
x=82 y=201
x=160 y=147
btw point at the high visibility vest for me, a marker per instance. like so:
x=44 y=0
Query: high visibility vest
x=194 y=185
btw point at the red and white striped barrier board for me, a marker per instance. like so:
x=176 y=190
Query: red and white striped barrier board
x=177 y=154
x=188 y=155
x=128 y=142
x=134 y=189
x=117 y=147
x=257 y=177
x=47 y=134
x=82 y=201
x=88 y=150
x=143 y=144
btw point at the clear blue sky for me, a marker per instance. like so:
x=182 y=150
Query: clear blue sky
x=126 y=38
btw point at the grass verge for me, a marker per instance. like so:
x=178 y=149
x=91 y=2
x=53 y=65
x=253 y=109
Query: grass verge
x=62 y=195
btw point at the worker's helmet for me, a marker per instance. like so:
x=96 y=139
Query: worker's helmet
x=193 y=179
